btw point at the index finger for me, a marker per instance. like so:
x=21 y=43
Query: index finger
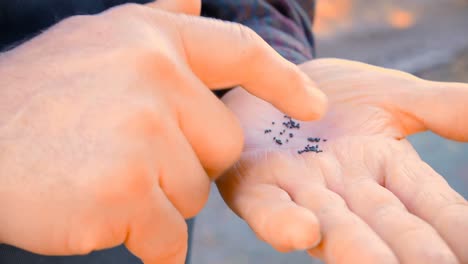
x=225 y=54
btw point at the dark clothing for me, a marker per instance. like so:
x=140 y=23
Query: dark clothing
x=284 y=24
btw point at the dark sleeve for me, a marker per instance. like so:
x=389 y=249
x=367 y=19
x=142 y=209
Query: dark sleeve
x=21 y=20
x=284 y=24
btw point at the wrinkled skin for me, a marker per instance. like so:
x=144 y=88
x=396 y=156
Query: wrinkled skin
x=103 y=124
x=368 y=197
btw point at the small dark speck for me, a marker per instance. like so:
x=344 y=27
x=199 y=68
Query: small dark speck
x=278 y=141
x=324 y=140
x=291 y=135
x=272 y=123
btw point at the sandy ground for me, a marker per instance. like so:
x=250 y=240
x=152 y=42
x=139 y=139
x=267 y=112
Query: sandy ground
x=432 y=43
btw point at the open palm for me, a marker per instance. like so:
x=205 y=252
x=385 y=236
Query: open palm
x=361 y=194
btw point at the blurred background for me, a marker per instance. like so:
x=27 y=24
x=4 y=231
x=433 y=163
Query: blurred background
x=428 y=38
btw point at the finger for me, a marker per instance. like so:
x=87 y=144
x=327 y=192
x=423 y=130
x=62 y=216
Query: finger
x=345 y=236
x=412 y=239
x=189 y=7
x=182 y=177
x=440 y=107
x=426 y=194
x=271 y=214
x=211 y=129
x=158 y=233
x=226 y=54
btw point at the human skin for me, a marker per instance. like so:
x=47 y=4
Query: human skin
x=369 y=193
x=109 y=132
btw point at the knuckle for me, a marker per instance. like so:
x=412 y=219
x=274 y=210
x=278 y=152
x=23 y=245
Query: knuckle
x=128 y=176
x=78 y=244
x=155 y=64
x=199 y=204
x=143 y=125
x=177 y=245
x=163 y=64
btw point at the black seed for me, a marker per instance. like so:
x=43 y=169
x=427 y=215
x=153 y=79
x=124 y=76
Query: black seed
x=324 y=140
x=278 y=141
x=291 y=135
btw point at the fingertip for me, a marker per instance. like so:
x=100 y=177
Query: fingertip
x=308 y=103
x=295 y=228
x=305 y=230
x=311 y=107
x=318 y=103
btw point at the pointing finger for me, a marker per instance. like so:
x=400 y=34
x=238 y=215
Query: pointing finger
x=226 y=54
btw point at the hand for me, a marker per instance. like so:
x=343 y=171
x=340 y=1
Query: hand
x=368 y=197
x=109 y=133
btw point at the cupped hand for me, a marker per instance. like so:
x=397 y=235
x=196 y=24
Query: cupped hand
x=109 y=132
x=360 y=193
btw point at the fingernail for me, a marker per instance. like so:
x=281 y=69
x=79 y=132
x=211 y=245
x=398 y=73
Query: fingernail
x=318 y=101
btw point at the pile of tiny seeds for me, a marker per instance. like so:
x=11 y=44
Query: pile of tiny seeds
x=286 y=133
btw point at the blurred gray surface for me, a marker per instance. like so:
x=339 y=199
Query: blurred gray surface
x=435 y=47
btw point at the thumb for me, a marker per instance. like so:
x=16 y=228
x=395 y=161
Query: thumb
x=442 y=108
x=189 y=7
